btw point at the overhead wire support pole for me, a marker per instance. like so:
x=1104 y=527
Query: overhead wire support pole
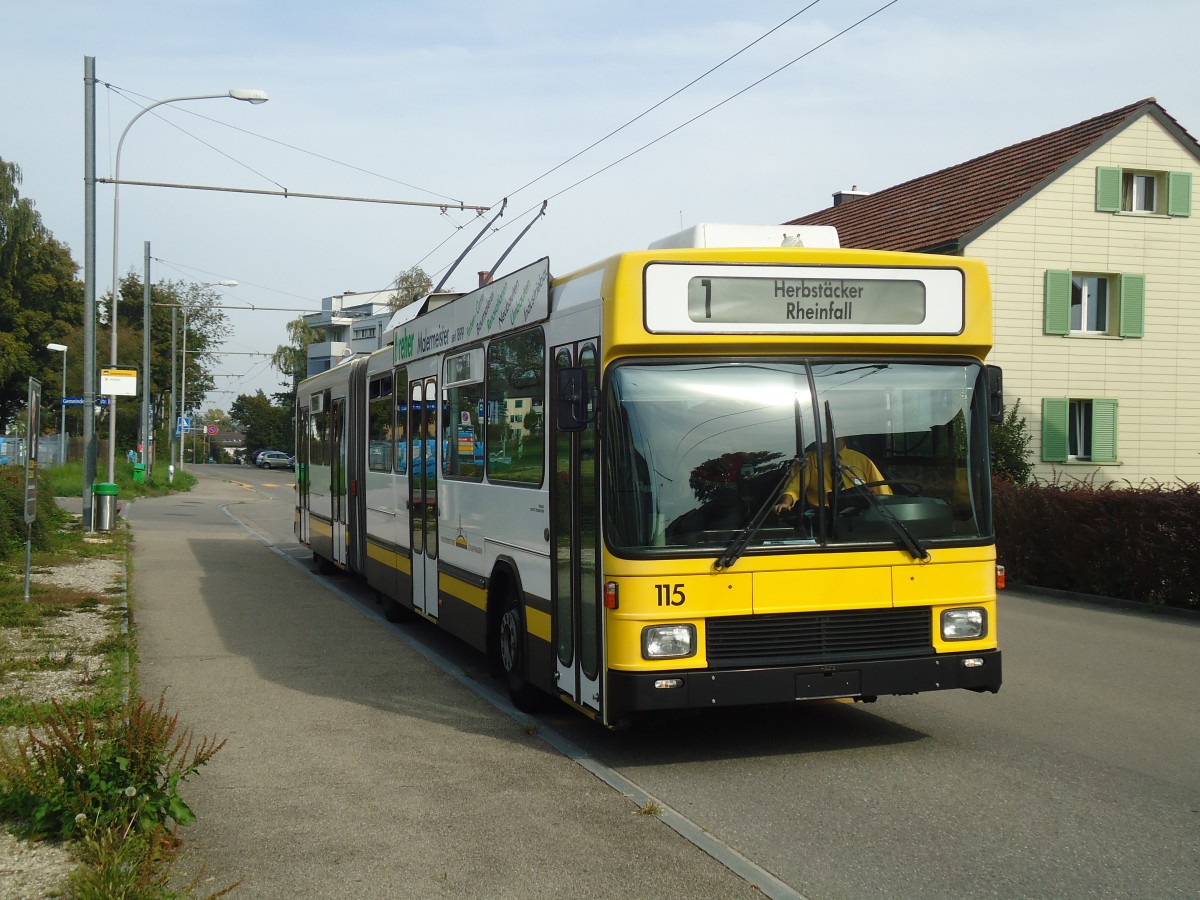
x=482 y=232
x=443 y=205
x=88 y=427
x=517 y=240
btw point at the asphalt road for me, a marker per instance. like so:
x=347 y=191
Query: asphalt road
x=1079 y=779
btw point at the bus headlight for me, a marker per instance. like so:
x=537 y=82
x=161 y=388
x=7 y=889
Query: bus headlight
x=964 y=624
x=668 y=641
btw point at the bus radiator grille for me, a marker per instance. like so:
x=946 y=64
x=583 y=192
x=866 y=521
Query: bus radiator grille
x=805 y=638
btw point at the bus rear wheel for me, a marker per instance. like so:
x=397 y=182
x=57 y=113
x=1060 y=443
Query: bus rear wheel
x=511 y=650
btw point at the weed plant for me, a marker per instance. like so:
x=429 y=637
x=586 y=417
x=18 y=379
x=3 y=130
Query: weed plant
x=72 y=774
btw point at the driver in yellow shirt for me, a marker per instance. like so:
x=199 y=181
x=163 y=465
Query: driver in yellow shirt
x=856 y=468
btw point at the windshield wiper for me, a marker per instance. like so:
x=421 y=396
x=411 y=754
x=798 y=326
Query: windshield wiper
x=738 y=546
x=915 y=548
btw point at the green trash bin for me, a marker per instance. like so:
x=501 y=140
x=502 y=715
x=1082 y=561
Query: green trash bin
x=139 y=472
x=104 y=506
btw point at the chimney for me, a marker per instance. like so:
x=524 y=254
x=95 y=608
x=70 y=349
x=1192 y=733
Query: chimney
x=849 y=196
x=485 y=278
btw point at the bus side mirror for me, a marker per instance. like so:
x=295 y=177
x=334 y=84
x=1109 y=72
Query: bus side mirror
x=995 y=395
x=574 y=411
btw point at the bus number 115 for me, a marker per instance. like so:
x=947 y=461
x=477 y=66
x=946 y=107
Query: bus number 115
x=670 y=594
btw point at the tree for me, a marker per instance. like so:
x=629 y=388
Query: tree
x=40 y=299
x=266 y=426
x=1010 y=448
x=207 y=326
x=291 y=359
x=410 y=284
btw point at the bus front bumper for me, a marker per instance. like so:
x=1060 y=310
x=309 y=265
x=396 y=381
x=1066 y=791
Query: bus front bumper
x=714 y=688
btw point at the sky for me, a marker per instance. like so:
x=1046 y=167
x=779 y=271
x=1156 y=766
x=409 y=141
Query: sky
x=466 y=103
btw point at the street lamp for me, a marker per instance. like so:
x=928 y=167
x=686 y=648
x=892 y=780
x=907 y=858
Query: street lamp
x=183 y=362
x=62 y=428
x=250 y=95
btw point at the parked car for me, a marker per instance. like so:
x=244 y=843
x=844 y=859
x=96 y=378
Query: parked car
x=273 y=459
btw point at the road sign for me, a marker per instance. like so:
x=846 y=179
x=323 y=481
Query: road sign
x=183 y=425
x=32 y=429
x=78 y=401
x=212 y=429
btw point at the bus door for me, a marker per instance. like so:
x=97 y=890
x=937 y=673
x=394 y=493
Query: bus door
x=574 y=500
x=302 y=430
x=422 y=501
x=337 y=478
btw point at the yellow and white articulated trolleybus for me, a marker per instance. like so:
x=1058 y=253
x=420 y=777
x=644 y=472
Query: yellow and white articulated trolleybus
x=744 y=466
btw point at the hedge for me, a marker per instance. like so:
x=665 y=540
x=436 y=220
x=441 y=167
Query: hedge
x=1132 y=543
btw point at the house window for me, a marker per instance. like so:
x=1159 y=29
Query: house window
x=1089 y=304
x=1079 y=430
x=364 y=333
x=1138 y=192
x=1135 y=191
x=1086 y=303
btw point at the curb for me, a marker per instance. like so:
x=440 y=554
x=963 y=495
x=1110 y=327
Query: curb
x=1132 y=606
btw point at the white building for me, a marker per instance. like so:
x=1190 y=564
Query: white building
x=352 y=323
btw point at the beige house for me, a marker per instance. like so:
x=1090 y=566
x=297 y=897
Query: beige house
x=1094 y=250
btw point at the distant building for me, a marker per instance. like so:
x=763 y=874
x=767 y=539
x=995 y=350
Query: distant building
x=352 y=323
x=1092 y=245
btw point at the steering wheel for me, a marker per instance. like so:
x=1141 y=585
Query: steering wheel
x=908 y=488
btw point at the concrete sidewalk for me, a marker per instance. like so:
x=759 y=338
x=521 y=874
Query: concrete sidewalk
x=354 y=767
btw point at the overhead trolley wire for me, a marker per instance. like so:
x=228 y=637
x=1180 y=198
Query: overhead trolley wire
x=128 y=94
x=694 y=118
x=665 y=99
x=717 y=106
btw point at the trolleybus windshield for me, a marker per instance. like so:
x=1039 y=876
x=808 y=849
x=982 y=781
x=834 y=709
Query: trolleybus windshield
x=694 y=450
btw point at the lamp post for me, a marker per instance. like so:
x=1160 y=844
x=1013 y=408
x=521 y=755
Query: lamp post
x=250 y=96
x=62 y=428
x=183 y=363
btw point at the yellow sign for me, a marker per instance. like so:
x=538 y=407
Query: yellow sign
x=118 y=382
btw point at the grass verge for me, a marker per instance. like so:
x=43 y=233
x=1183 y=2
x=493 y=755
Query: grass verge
x=84 y=760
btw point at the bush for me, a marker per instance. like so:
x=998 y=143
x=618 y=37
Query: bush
x=1010 y=447
x=49 y=518
x=1140 y=544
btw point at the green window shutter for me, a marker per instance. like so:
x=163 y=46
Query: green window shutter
x=1133 y=306
x=1108 y=189
x=1058 y=302
x=1054 y=428
x=1104 y=431
x=1179 y=193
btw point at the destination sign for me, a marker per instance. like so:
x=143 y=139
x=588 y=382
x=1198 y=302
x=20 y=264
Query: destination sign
x=707 y=298
x=806 y=300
